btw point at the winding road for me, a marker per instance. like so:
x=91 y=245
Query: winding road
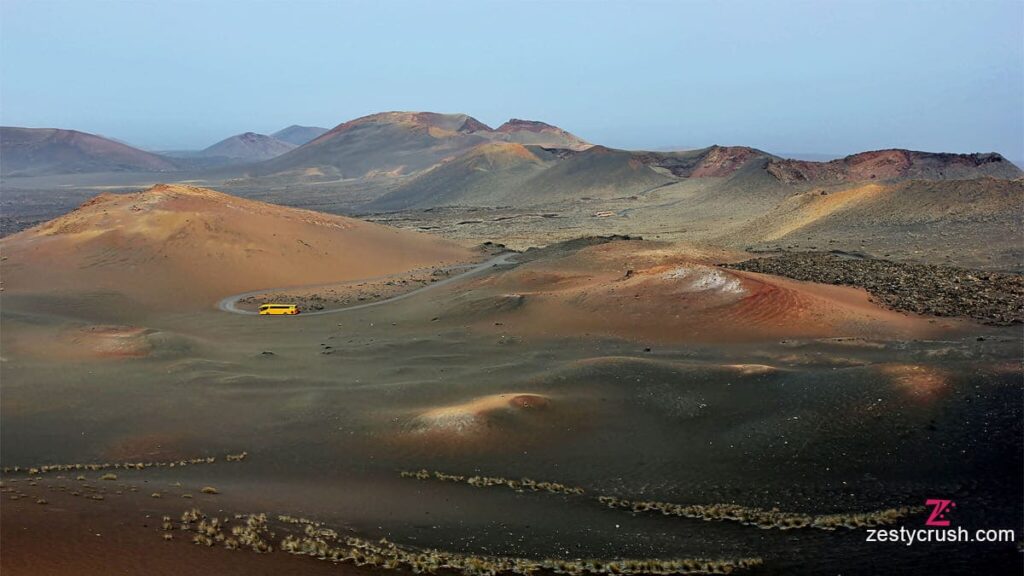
x=230 y=304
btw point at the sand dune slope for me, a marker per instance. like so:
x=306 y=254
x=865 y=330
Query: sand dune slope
x=180 y=245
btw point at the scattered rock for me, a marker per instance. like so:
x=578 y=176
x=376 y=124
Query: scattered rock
x=990 y=297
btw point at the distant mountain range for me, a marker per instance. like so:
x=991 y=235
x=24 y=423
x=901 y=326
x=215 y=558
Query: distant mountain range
x=47 y=151
x=424 y=159
x=879 y=201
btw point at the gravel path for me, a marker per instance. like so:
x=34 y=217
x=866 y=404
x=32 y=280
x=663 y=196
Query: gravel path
x=230 y=304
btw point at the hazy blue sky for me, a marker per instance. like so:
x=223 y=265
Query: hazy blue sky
x=817 y=76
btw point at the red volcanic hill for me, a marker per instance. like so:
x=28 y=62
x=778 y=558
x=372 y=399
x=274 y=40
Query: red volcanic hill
x=895 y=165
x=390 y=142
x=37 y=151
x=404 y=143
x=540 y=133
x=672 y=293
x=713 y=161
x=176 y=245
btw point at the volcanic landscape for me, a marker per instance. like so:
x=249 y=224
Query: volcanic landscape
x=517 y=352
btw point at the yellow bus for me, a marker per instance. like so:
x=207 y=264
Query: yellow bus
x=279 y=309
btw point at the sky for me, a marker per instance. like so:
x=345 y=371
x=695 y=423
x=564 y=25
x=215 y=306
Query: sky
x=828 y=77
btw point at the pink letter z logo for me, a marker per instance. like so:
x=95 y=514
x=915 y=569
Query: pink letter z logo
x=939 y=509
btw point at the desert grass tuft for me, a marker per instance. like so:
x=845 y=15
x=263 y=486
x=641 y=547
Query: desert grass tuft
x=764 y=518
x=95 y=467
x=324 y=543
x=751 y=516
x=520 y=485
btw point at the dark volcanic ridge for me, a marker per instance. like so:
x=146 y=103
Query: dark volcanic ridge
x=895 y=165
x=298 y=135
x=499 y=173
x=989 y=297
x=249 y=147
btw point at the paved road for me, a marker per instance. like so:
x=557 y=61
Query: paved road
x=230 y=304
